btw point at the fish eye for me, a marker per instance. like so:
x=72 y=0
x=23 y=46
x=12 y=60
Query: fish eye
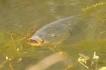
x=52 y=35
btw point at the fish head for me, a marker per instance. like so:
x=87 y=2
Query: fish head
x=47 y=35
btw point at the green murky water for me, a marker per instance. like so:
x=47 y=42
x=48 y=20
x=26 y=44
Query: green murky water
x=19 y=19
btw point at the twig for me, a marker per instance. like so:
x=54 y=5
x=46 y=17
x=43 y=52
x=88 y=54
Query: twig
x=13 y=41
x=11 y=67
x=1 y=65
x=51 y=49
x=69 y=67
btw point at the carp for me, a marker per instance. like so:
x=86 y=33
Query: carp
x=74 y=27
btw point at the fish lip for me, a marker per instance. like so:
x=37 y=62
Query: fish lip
x=35 y=41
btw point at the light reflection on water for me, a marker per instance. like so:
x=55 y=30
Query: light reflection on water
x=19 y=18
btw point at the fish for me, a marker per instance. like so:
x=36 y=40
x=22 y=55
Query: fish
x=74 y=27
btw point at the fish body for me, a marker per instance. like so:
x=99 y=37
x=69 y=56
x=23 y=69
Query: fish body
x=75 y=26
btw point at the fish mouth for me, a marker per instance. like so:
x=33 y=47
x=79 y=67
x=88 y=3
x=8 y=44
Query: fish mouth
x=36 y=41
